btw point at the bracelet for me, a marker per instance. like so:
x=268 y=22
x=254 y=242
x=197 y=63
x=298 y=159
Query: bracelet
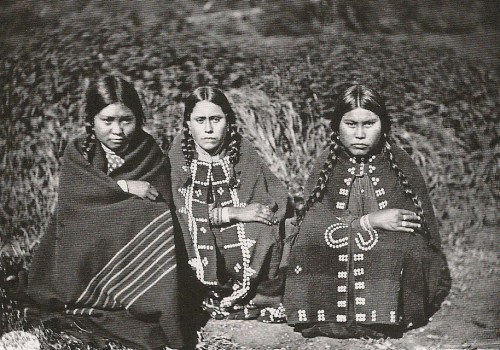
x=218 y=216
x=368 y=224
x=365 y=223
x=225 y=215
x=362 y=223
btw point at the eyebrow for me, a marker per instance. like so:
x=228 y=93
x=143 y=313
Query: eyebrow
x=208 y=116
x=348 y=120
x=116 y=116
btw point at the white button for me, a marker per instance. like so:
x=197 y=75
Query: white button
x=362 y=191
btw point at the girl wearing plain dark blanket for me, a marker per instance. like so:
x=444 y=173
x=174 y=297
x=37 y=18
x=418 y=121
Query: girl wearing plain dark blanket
x=367 y=259
x=106 y=268
x=231 y=209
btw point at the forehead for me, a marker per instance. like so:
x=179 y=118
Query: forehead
x=116 y=110
x=360 y=115
x=206 y=108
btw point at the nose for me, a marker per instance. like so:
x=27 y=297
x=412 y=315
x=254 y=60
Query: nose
x=116 y=128
x=208 y=127
x=360 y=132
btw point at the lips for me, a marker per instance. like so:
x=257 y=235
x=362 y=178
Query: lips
x=359 y=145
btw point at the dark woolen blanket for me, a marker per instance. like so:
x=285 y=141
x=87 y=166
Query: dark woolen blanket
x=393 y=278
x=251 y=251
x=107 y=265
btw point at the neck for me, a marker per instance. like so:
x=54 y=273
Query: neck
x=209 y=156
x=118 y=152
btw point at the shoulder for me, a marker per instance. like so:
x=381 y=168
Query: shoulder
x=74 y=147
x=175 y=150
x=323 y=156
x=148 y=139
x=404 y=160
x=247 y=148
x=176 y=142
x=249 y=156
x=321 y=159
x=409 y=167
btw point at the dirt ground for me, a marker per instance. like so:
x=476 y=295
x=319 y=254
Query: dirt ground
x=468 y=319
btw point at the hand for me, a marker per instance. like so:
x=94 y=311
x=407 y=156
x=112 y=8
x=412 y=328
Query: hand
x=254 y=212
x=142 y=189
x=395 y=220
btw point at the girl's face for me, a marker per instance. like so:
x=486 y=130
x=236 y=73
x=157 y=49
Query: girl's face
x=114 y=126
x=208 y=125
x=360 y=131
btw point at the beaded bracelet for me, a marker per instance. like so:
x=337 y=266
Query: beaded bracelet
x=218 y=216
x=368 y=224
x=225 y=215
x=362 y=223
x=365 y=223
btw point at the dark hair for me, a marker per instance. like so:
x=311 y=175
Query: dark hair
x=102 y=93
x=357 y=96
x=360 y=96
x=216 y=96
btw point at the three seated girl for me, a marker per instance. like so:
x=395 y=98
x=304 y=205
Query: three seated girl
x=366 y=258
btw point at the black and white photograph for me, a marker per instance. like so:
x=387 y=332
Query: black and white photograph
x=249 y=174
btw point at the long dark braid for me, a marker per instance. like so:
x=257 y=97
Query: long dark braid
x=89 y=143
x=187 y=145
x=324 y=175
x=234 y=144
x=405 y=184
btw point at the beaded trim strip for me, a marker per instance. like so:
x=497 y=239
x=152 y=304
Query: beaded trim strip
x=240 y=288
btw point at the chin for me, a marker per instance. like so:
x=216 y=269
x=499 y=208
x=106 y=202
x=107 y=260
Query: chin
x=209 y=149
x=358 y=152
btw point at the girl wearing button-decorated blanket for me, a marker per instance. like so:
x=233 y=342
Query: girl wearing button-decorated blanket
x=367 y=258
x=231 y=209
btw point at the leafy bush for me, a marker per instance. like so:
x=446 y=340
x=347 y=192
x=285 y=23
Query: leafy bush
x=445 y=106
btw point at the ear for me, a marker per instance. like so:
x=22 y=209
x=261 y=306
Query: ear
x=189 y=125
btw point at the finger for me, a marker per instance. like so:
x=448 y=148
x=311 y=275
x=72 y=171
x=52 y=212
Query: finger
x=409 y=225
x=407 y=229
x=266 y=217
x=264 y=221
x=413 y=217
x=150 y=196
x=406 y=212
x=415 y=224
